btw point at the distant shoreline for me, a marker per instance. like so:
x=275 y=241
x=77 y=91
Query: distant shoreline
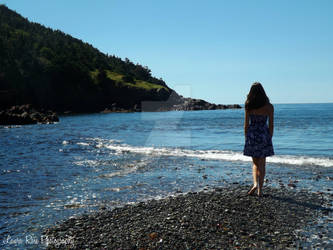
x=28 y=114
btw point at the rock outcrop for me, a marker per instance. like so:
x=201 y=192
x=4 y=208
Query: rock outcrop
x=199 y=104
x=178 y=102
x=26 y=114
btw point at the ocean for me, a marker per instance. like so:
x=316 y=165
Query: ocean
x=95 y=161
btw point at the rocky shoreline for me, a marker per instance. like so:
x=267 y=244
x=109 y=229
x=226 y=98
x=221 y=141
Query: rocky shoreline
x=216 y=219
x=29 y=114
x=26 y=114
x=175 y=102
x=199 y=104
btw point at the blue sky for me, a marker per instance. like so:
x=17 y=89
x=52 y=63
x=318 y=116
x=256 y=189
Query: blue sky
x=210 y=49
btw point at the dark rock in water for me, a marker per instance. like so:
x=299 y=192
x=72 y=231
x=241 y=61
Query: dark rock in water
x=106 y=111
x=199 y=104
x=166 y=101
x=179 y=103
x=26 y=114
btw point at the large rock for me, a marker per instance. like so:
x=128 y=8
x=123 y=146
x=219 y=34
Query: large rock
x=198 y=104
x=26 y=114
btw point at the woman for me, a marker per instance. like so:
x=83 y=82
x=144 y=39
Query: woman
x=258 y=136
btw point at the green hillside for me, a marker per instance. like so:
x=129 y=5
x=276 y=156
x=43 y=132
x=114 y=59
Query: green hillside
x=51 y=69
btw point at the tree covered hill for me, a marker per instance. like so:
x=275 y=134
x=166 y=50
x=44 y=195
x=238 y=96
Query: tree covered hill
x=50 y=69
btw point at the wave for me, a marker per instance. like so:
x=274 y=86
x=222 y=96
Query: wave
x=223 y=155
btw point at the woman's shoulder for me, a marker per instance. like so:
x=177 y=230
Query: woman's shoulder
x=267 y=109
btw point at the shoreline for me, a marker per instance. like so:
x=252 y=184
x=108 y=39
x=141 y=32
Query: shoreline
x=220 y=218
x=26 y=114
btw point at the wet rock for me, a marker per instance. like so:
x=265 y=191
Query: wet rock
x=199 y=104
x=219 y=219
x=153 y=235
x=26 y=114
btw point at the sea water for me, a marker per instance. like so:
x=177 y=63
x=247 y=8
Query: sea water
x=92 y=161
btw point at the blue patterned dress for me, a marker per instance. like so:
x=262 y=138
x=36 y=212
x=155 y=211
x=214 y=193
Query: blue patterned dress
x=258 y=141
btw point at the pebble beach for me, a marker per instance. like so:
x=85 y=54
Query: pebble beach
x=209 y=219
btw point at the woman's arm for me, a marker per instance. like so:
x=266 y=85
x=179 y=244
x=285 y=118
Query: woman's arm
x=246 y=122
x=271 y=121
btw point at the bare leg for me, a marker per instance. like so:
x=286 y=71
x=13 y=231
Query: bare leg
x=262 y=172
x=255 y=172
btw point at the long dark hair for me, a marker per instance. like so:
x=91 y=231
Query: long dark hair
x=257 y=97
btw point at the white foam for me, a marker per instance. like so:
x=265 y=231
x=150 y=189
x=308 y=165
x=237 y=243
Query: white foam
x=91 y=163
x=301 y=160
x=222 y=155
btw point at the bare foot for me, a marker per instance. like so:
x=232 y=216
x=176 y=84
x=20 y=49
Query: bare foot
x=260 y=194
x=252 y=190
